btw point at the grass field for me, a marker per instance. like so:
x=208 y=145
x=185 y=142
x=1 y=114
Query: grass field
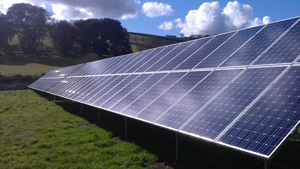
x=37 y=133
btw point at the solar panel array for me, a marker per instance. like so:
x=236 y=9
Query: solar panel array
x=239 y=89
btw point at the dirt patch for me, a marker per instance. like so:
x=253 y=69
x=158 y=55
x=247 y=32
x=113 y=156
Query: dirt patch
x=16 y=82
x=158 y=165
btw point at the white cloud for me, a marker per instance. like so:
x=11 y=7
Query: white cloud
x=166 y=26
x=155 y=9
x=77 y=9
x=209 y=19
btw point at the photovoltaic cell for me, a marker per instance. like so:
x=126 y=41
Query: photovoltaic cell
x=153 y=60
x=44 y=84
x=144 y=60
x=125 y=91
x=259 y=43
x=285 y=50
x=219 y=113
x=61 y=73
x=180 y=112
x=198 y=56
x=88 y=90
x=114 y=81
x=185 y=54
x=133 y=95
x=218 y=56
x=101 y=83
x=161 y=62
x=114 y=89
x=161 y=104
x=151 y=94
x=134 y=60
x=262 y=128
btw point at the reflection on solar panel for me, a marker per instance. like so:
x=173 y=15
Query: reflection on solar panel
x=239 y=89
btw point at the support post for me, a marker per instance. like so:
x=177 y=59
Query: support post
x=69 y=105
x=98 y=112
x=176 y=139
x=54 y=98
x=267 y=164
x=81 y=109
x=126 y=130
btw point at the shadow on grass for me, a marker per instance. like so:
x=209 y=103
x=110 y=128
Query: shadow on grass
x=193 y=152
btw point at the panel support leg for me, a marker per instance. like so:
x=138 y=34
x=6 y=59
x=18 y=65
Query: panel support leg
x=54 y=98
x=176 y=144
x=98 y=112
x=126 y=130
x=267 y=164
x=81 y=109
x=69 y=105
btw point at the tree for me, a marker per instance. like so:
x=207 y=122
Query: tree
x=102 y=36
x=64 y=36
x=116 y=36
x=6 y=32
x=90 y=39
x=30 y=23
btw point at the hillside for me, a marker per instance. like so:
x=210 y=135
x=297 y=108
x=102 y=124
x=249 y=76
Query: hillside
x=17 y=63
x=139 y=41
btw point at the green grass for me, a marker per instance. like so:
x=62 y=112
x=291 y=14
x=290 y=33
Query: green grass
x=37 y=133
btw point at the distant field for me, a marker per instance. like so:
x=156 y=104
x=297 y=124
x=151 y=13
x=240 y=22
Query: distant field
x=27 y=69
x=37 y=133
x=15 y=64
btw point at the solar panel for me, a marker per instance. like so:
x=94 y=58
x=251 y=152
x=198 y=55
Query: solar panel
x=259 y=43
x=218 y=56
x=239 y=89
x=286 y=50
x=174 y=62
x=265 y=125
x=212 y=119
x=195 y=58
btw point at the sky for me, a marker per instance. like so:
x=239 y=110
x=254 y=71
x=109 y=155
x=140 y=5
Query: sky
x=172 y=17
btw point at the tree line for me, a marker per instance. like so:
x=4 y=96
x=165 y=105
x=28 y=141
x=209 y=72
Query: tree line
x=105 y=37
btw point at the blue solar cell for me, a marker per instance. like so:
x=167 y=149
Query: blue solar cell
x=131 y=86
x=161 y=62
x=120 y=60
x=185 y=54
x=154 y=59
x=152 y=94
x=63 y=72
x=102 y=81
x=133 y=95
x=218 y=56
x=285 y=50
x=71 y=87
x=135 y=59
x=44 y=84
x=113 y=82
x=260 y=42
x=114 y=89
x=162 y=103
x=180 y=112
x=88 y=90
x=198 y=56
x=142 y=61
x=219 y=113
x=264 y=126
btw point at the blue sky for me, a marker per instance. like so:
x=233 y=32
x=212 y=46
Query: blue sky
x=172 y=17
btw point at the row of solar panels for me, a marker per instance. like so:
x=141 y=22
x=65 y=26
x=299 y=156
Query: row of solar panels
x=251 y=108
x=203 y=103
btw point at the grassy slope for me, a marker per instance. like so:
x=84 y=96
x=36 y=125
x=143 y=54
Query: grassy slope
x=37 y=133
x=14 y=64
